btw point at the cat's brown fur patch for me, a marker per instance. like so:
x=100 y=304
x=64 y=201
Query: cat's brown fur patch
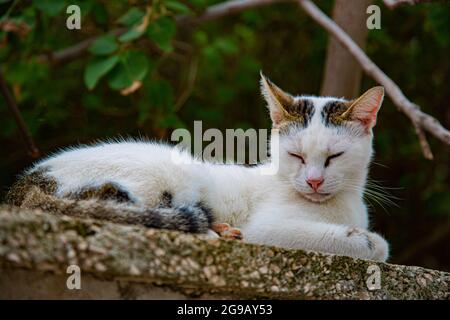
x=300 y=114
x=106 y=191
x=332 y=112
x=37 y=191
x=36 y=198
x=22 y=186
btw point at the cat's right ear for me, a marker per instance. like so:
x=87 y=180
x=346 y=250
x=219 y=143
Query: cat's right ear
x=365 y=108
x=277 y=100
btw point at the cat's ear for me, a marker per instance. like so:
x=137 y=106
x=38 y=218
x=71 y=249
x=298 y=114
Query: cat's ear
x=365 y=108
x=278 y=101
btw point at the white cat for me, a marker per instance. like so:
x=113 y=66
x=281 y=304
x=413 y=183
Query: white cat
x=314 y=202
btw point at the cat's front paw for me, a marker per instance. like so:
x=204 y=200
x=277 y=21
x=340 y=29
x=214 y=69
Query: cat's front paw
x=375 y=246
x=379 y=247
x=224 y=230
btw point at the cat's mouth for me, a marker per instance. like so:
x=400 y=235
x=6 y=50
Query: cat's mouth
x=317 y=196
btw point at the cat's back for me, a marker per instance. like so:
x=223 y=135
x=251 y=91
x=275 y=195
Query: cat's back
x=108 y=155
x=140 y=167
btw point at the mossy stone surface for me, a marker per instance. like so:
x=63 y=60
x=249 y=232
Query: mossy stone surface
x=195 y=266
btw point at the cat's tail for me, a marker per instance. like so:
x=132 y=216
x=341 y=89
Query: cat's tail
x=195 y=218
x=189 y=218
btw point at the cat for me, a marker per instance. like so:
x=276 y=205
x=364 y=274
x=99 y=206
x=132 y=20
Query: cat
x=314 y=201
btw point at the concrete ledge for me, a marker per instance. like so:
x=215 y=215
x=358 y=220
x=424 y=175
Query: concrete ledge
x=129 y=262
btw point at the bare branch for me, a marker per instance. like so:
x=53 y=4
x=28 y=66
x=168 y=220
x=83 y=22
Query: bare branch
x=420 y=119
x=426 y=149
x=392 y=4
x=224 y=9
x=32 y=148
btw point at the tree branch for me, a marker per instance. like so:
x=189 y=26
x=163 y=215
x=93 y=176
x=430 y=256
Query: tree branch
x=224 y=9
x=426 y=149
x=28 y=139
x=392 y=4
x=213 y=12
x=420 y=120
x=73 y=52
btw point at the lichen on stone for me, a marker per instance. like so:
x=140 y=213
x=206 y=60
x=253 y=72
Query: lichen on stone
x=149 y=262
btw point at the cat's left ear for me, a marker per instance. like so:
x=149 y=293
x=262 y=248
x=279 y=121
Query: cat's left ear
x=365 y=108
x=278 y=101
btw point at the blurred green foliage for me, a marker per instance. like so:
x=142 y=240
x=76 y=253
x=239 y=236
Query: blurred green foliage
x=145 y=75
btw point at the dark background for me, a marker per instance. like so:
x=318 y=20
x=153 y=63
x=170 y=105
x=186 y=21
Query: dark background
x=210 y=72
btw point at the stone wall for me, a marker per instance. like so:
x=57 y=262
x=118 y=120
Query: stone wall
x=129 y=262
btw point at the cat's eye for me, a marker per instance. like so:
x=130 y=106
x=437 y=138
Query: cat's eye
x=297 y=156
x=327 y=161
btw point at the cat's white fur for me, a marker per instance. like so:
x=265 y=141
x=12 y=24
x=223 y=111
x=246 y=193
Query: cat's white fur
x=269 y=209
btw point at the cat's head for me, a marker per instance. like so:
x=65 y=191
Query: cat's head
x=325 y=143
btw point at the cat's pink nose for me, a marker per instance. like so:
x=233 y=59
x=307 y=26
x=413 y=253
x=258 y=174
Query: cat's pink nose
x=315 y=183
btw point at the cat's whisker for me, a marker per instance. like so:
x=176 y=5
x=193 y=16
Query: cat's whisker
x=378 y=197
x=380 y=164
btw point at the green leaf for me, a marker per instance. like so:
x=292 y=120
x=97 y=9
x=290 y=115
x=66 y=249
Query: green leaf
x=104 y=45
x=133 y=19
x=133 y=16
x=133 y=66
x=161 y=32
x=176 y=6
x=50 y=7
x=119 y=78
x=131 y=35
x=97 y=68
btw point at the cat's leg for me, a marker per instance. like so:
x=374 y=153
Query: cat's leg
x=318 y=236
